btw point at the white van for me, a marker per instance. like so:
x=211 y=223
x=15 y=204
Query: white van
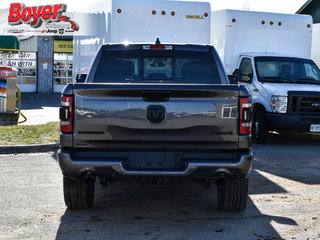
x=270 y=54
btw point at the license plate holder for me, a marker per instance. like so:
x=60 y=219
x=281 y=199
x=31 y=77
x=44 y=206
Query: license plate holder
x=154 y=161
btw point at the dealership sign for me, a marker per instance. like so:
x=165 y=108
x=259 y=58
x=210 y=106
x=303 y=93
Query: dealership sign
x=48 y=19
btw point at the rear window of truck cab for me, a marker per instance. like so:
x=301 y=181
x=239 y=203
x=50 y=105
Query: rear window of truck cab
x=123 y=66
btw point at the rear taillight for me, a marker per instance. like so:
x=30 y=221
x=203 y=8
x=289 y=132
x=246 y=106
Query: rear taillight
x=245 y=115
x=157 y=47
x=66 y=114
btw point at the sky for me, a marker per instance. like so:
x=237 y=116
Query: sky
x=280 y=6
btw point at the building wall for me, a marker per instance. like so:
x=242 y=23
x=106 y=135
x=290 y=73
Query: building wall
x=312 y=9
x=29 y=45
x=45 y=64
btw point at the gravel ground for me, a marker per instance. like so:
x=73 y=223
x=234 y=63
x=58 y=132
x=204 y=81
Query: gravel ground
x=283 y=202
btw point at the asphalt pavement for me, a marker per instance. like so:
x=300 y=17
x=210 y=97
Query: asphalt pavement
x=284 y=193
x=40 y=108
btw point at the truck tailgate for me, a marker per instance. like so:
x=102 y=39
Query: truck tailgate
x=155 y=116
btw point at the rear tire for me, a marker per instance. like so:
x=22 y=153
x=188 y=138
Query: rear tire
x=77 y=194
x=259 y=127
x=232 y=197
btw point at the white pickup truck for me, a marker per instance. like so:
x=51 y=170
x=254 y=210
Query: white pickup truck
x=270 y=54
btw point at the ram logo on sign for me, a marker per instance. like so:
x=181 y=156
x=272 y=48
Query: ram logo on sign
x=35 y=16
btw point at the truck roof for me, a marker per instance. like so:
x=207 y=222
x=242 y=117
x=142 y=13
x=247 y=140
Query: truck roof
x=263 y=54
x=138 y=46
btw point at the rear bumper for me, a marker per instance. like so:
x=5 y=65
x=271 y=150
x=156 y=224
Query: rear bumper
x=75 y=167
x=288 y=122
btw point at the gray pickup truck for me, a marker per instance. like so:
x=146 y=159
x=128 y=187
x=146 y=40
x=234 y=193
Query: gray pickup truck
x=156 y=114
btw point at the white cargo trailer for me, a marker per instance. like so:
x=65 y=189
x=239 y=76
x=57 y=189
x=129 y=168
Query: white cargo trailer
x=315 y=50
x=138 y=21
x=271 y=54
x=172 y=21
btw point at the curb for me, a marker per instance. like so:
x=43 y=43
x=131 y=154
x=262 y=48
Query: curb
x=34 y=148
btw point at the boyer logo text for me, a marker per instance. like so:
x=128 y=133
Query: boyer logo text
x=35 y=16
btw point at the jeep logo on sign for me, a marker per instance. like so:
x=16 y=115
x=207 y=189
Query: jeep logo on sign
x=156 y=114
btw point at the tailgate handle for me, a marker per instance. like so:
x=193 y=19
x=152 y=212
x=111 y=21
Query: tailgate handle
x=156 y=96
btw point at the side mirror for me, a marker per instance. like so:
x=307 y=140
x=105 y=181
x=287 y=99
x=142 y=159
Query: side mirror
x=246 y=78
x=81 y=78
x=235 y=77
x=232 y=79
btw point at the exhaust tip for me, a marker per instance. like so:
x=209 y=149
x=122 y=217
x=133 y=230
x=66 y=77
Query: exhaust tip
x=89 y=179
x=220 y=181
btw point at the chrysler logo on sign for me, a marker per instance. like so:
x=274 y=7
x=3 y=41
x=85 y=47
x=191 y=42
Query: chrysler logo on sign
x=35 y=16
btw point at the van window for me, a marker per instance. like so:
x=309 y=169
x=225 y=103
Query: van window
x=246 y=70
x=287 y=70
x=246 y=66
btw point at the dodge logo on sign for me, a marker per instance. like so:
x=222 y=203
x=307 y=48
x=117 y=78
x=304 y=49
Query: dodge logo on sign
x=35 y=16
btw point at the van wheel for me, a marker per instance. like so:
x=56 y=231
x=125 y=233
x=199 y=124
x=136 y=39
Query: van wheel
x=77 y=194
x=259 y=127
x=232 y=197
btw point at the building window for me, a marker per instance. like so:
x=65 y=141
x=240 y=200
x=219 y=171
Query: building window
x=62 y=68
x=26 y=64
